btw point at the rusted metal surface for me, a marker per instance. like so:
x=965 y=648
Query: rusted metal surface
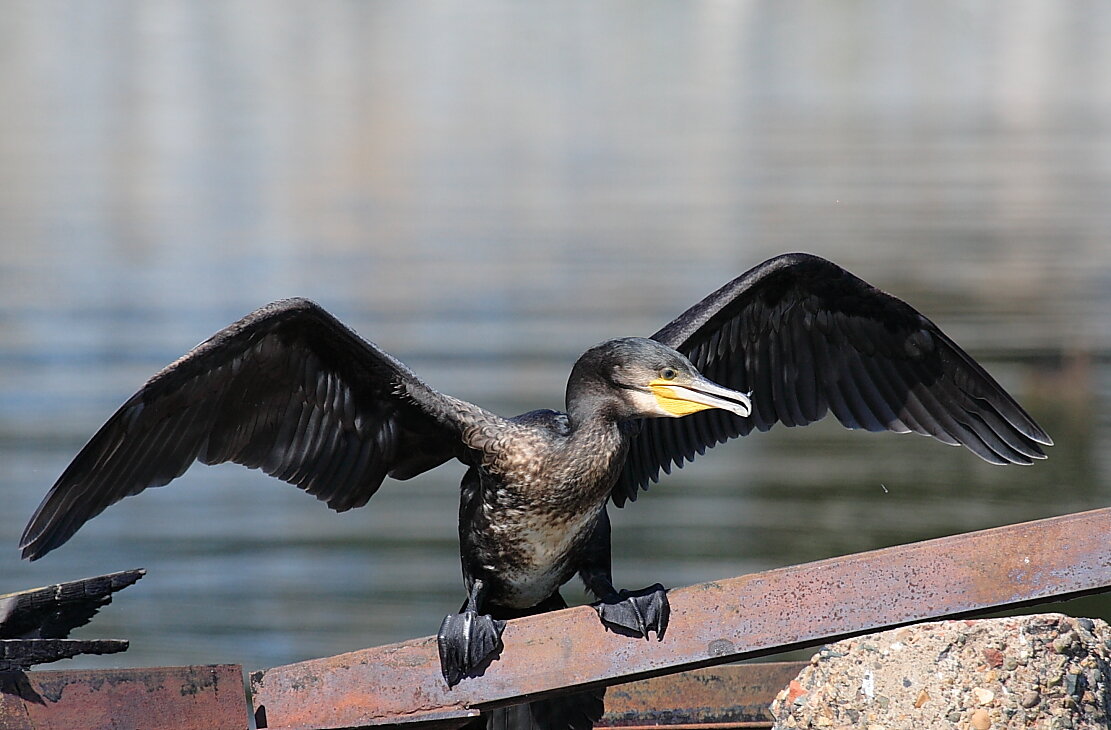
x=173 y=698
x=711 y=623
x=735 y=696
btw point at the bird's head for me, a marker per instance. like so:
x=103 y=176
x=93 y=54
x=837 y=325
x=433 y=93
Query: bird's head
x=635 y=377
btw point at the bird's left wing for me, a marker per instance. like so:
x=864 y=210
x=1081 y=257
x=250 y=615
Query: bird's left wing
x=807 y=337
x=287 y=389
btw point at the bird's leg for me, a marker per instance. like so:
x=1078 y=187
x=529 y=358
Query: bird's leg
x=629 y=612
x=468 y=639
x=633 y=613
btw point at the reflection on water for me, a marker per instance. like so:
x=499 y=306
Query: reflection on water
x=486 y=193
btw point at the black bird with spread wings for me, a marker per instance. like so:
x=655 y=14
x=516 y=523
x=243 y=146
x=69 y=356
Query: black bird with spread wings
x=292 y=391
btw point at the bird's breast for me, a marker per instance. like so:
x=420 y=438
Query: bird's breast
x=533 y=551
x=537 y=499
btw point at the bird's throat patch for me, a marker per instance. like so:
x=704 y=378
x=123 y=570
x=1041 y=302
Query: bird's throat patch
x=669 y=400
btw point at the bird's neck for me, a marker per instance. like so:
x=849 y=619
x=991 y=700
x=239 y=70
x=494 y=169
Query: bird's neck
x=590 y=406
x=598 y=445
x=596 y=435
x=594 y=428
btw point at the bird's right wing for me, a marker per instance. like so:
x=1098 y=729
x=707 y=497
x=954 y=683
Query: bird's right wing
x=806 y=338
x=287 y=389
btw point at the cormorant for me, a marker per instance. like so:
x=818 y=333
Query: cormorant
x=290 y=390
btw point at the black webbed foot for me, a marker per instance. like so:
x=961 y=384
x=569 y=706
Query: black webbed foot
x=466 y=640
x=635 y=613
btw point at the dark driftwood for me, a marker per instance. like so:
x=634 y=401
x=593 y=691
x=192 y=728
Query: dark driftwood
x=53 y=611
x=34 y=623
x=17 y=654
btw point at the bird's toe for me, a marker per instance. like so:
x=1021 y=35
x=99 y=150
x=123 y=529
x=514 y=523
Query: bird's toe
x=636 y=613
x=467 y=640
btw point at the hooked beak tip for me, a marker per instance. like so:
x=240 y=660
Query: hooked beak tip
x=735 y=402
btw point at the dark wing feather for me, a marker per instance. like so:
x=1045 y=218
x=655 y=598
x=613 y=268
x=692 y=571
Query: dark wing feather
x=287 y=389
x=807 y=337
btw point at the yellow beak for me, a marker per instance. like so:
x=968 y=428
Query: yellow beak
x=698 y=394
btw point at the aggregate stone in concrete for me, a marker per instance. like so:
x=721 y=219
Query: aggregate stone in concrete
x=1044 y=671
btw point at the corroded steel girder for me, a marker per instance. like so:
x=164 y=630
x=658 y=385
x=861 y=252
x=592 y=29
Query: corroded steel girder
x=181 y=698
x=711 y=623
x=713 y=698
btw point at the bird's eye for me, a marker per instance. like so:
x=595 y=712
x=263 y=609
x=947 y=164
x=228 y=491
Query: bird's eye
x=669 y=373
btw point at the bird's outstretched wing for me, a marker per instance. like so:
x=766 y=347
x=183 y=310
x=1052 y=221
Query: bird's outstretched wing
x=807 y=337
x=287 y=389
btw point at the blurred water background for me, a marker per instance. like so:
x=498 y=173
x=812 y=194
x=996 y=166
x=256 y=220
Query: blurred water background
x=485 y=190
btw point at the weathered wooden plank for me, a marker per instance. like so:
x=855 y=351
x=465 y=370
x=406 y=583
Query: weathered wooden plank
x=34 y=623
x=51 y=612
x=173 y=698
x=711 y=623
x=17 y=654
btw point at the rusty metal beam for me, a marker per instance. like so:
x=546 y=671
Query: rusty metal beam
x=181 y=698
x=714 y=698
x=711 y=623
